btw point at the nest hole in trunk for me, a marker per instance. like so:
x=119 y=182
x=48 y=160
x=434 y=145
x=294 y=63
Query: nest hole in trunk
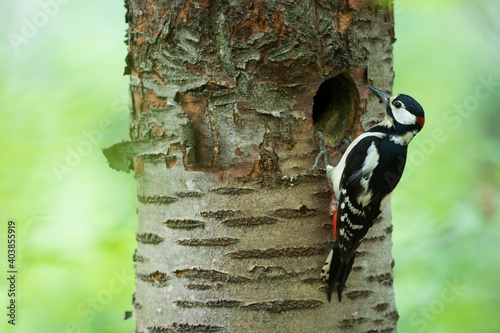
x=334 y=107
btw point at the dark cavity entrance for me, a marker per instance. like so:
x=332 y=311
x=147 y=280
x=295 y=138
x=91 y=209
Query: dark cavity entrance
x=334 y=108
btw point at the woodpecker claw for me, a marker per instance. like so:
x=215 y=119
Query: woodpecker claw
x=334 y=205
x=322 y=151
x=347 y=141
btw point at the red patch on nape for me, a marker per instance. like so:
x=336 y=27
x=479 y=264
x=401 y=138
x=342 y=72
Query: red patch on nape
x=421 y=121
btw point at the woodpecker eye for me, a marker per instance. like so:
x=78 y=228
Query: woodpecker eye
x=398 y=104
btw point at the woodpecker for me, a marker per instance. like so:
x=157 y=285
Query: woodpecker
x=364 y=180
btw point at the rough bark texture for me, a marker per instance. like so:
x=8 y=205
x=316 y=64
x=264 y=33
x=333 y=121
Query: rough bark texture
x=233 y=229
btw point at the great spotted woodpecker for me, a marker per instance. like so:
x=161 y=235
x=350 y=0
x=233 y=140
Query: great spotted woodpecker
x=364 y=179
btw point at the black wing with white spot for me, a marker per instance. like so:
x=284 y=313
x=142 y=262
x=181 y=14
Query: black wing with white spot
x=358 y=204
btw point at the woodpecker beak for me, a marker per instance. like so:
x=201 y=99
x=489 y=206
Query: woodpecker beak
x=381 y=95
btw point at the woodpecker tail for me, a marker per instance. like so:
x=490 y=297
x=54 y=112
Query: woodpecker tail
x=335 y=272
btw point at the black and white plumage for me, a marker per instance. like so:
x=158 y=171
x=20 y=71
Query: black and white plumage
x=364 y=179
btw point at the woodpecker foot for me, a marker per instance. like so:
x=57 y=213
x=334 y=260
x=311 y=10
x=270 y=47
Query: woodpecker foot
x=347 y=141
x=322 y=151
x=334 y=206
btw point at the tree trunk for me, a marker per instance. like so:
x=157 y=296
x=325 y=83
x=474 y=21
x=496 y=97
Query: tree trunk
x=226 y=97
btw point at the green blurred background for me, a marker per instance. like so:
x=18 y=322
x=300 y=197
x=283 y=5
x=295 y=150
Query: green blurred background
x=64 y=98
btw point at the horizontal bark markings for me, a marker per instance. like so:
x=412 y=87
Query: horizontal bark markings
x=296 y=251
x=138 y=258
x=277 y=273
x=258 y=273
x=156 y=199
x=189 y=194
x=184 y=328
x=221 y=214
x=323 y=194
x=354 y=294
x=157 y=278
x=184 y=224
x=351 y=322
x=271 y=306
x=249 y=221
x=222 y=241
x=381 y=307
x=283 y=305
x=219 y=303
x=360 y=253
x=358 y=267
x=311 y=280
x=374 y=238
x=380 y=330
x=232 y=190
x=149 y=238
x=392 y=315
x=165 y=199
x=210 y=275
x=202 y=286
x=384 y=278
x=292 y=213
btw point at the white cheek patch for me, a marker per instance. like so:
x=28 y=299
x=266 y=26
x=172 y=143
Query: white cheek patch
x=402 y=116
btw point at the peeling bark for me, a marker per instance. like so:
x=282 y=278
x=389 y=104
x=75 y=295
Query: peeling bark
x=233 y=228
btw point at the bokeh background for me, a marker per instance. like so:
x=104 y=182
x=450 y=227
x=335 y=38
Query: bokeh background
x=64 y=97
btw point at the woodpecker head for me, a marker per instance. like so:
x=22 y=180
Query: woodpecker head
x=405 y=112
